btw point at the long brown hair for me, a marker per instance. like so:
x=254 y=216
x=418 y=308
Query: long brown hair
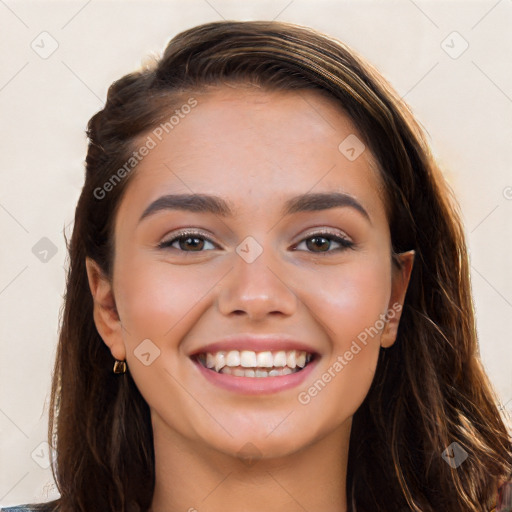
x=429 y=390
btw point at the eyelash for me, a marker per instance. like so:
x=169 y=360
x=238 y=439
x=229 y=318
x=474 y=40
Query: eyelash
x=345 y=243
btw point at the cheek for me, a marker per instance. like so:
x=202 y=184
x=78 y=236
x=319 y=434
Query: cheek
x=154 y=298
x=350 y=298
x=349 y=302
x=160 y=303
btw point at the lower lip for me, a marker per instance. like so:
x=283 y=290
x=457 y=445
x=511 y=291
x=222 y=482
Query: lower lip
x=256 y=385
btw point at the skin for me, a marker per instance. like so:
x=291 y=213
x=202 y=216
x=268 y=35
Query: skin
x=255 y=149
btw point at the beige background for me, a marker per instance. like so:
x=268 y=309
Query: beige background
x=465 y=104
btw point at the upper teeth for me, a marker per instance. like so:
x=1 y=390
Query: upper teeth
x=250 y=359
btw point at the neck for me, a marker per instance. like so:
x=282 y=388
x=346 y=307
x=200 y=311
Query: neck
x=192 y=478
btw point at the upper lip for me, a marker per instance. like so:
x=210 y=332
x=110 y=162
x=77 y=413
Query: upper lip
x=273 y=343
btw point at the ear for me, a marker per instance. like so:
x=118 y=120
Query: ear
x=106 y=317
x=399 y=282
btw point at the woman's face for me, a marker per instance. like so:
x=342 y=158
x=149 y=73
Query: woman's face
x=267 y=272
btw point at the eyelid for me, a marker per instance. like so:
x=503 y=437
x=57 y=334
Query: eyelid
x=325 y=231
x=335 y=236
x=181 y=233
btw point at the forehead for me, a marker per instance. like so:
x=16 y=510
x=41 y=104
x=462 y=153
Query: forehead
x=249 y=145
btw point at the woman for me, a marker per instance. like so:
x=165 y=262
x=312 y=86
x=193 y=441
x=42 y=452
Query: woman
x=268 y=303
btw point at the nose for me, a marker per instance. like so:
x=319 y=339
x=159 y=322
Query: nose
x=257 y=289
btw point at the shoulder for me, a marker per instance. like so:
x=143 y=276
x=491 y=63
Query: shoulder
x=35 y=507
x=20 y=508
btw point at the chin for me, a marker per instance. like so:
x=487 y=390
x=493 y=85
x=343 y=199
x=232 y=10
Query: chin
x=258 y=440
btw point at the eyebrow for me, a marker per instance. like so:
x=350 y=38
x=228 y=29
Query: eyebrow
x=204 y=203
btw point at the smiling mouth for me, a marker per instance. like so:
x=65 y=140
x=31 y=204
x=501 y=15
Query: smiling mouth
x=246 y=363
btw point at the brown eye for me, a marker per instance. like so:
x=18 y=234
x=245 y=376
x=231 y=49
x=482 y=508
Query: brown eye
x=323 y=243
x=188 y=242
x=192 y=243
x=318 y=242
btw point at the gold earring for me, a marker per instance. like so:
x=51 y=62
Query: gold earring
x=119 y=366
